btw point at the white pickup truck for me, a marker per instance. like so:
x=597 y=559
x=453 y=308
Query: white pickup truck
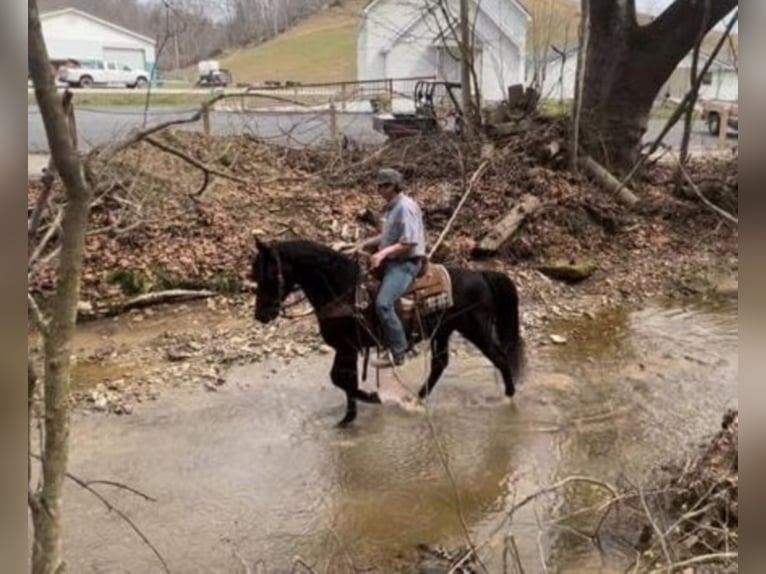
x=98 y=72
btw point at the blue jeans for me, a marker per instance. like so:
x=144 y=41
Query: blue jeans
x=397 y=279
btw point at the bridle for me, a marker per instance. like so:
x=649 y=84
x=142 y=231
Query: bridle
x=282 y=308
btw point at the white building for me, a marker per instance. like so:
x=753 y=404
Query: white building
x=72 y=34
x=555 y=74
x=721 y=82
x=404 y=38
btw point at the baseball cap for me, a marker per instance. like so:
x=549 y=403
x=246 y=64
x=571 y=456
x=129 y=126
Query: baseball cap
x=390 y=176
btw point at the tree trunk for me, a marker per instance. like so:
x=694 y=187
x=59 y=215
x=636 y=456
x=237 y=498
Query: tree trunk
x=626 y=67
x=47 y=556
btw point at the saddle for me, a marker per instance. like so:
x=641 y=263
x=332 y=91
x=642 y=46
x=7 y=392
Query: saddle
x=430 y=293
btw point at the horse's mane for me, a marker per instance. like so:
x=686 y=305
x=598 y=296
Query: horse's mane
x=342 y=268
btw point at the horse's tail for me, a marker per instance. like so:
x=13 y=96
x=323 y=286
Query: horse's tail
x=507 y=323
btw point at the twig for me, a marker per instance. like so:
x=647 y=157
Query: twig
x=541 y=551
x=122 y=486
x=526 y=500
x=86 y=486
x=698 y=560
x=43 y=262
x=655 y=526
x=52 y=229
x=469 y=188
x=298 y=561
x=514 y=551
x=725 y=214
x=687 y=101
x=196 y=163
x=42 y=201
x=37 y=315
x=136 y=137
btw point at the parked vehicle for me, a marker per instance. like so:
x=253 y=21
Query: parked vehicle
x=713 y=112
x=98 y=72
x=212 y=76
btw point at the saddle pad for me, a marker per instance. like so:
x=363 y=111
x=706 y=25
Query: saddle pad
x=435 y=281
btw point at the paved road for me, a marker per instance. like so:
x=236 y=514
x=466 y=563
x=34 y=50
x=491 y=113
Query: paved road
x=101 y=125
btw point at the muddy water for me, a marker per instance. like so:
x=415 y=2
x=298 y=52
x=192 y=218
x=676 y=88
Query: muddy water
x=256 y=471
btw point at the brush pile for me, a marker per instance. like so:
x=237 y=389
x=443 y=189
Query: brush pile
x=698 y=512
x=158 y=222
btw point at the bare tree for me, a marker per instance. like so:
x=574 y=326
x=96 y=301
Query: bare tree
x=45 y=502
x=627 y=66
x=204 y=28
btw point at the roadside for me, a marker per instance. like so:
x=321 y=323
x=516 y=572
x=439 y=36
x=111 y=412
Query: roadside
x=99 y=124
x=36 y=165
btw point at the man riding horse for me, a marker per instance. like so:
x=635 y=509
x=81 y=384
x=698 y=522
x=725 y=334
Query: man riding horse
x=400 y=253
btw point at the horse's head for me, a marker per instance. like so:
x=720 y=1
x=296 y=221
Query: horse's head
x=274 y=279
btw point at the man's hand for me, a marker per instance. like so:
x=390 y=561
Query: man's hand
x=377 y=259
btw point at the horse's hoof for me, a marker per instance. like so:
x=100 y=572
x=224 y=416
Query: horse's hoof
x=509 y=401
x=345 y=422
x=413 y=405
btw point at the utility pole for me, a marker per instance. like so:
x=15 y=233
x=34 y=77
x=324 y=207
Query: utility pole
x=466 y=61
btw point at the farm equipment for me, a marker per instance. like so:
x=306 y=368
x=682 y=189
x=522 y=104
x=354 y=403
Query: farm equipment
x=436 y=110
x=211 y=76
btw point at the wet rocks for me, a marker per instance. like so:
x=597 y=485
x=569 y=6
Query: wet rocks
x=558 y=339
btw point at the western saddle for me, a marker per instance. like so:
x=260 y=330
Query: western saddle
x=430 y=293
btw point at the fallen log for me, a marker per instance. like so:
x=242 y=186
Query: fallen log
x=491 y=243
x=160 y=297
x=607 y=181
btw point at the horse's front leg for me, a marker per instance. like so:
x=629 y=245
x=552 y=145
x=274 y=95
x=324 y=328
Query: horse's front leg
x=344 y=376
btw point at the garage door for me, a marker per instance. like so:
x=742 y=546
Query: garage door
x=135 y=58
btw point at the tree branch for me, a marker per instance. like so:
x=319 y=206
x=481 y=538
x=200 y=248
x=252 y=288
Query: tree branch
x=37 y=316
x=87 y=486
x=676 y=29
x=687 y=101
x=716 y=557
x=725 y=214
x=137 y=136
x=189 y=159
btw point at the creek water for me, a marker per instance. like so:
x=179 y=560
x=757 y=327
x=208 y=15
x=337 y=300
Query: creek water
x=256 y=472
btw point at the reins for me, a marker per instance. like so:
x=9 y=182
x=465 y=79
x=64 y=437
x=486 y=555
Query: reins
x=281 y=287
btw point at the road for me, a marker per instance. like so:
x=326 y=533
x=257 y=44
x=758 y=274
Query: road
x=101 y=125
x=104 y=124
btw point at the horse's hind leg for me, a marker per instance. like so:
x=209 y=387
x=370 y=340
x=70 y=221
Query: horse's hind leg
x=480 y=334
x=439 y=362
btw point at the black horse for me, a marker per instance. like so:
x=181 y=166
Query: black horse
x=485 y=311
